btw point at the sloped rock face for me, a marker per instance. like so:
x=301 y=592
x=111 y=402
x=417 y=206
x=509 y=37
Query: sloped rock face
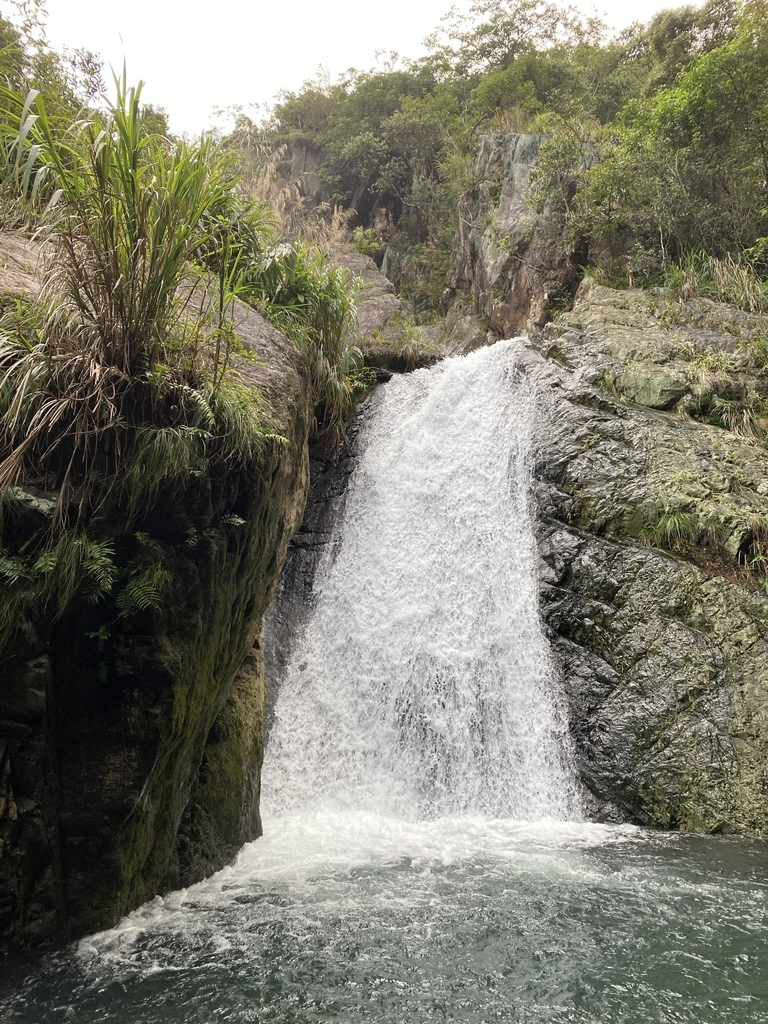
x=385 y=336
x=515 y=262
x=130 y=748
x=664 y=654
x=377 y=304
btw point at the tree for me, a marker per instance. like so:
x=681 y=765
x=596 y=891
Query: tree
x=494 y=32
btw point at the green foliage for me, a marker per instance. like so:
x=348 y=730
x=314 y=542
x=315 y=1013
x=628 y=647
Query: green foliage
x=116 y=388
x=46 y=578
x=657 y=142
x=146 y=589
x=120 y=386
x=675 y=529
x=494 y=32
x=755 y=547
x=366 y=241
x=75 y=563
x=756 y=349
x=685 y=169
x=729 y=279
x=298 y=288
x=125 y=221
x=361 y=383
x=313 y=302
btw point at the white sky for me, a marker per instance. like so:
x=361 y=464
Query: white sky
x=196 y=57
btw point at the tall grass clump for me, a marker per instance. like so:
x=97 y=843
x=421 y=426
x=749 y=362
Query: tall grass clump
x=121 y=343
x=123 y=223
x=116 y=385
x=731 y=279
x=298 y=288
x=313 y=302
x=18 y=156
x=675 y=529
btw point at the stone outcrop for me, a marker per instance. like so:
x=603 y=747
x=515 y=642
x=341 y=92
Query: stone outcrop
x=386 y=336
x=652 y=484
x=515 y=262
x=378 y=308
x=664 y=653
x=130 y=747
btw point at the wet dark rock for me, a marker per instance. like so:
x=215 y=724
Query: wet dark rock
x=130 y=748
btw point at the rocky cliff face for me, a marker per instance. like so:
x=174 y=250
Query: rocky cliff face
x=514 y=262
x=130 y=749
x=664 y=653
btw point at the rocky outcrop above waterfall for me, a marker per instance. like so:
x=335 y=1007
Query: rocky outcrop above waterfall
x=130 y=747
x=387 y=337
x=517 y=264
x=650 y=522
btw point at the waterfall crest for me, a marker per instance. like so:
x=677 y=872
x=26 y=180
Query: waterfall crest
x=422 y=686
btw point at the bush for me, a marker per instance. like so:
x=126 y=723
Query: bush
x=298 y=288
x=121 y=350
x=313 y=302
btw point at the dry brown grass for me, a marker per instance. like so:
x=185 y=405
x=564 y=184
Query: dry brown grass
x=19 y=266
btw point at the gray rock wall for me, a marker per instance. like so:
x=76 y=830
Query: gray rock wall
x=516 y=263
x=664 y=653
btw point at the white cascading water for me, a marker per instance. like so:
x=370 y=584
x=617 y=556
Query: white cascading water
x=422 y=687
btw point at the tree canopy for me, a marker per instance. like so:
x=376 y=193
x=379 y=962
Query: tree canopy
x=674 y=111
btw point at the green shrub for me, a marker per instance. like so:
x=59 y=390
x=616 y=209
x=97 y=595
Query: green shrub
x=119 y=382
x=304 y=295
x=117 y=385
x=367 y=242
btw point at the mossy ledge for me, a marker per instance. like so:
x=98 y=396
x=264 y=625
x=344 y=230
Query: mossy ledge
x=131 y=765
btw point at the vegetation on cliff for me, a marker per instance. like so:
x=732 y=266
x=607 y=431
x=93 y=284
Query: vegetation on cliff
x=656 y=149
x=115 y=382
x=152 y=471
x=652 y=172
x=119 y=381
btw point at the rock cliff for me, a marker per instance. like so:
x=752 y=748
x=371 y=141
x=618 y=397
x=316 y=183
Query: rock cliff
x=652 y=482
x=515 y=263
x=130 y=748
x=664 y=653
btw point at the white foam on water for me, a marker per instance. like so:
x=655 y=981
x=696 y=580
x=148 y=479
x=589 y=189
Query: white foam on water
x=314 y=859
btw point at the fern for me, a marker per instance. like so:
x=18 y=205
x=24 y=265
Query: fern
x=13 y=570
x=145 y=590
x=232 y=520
x=75 y=564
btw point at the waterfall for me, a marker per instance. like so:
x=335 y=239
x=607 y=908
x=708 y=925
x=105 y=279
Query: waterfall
x=422 y=686
x=423 y=856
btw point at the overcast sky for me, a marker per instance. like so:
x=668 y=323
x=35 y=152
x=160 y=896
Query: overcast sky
x=194 y=58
